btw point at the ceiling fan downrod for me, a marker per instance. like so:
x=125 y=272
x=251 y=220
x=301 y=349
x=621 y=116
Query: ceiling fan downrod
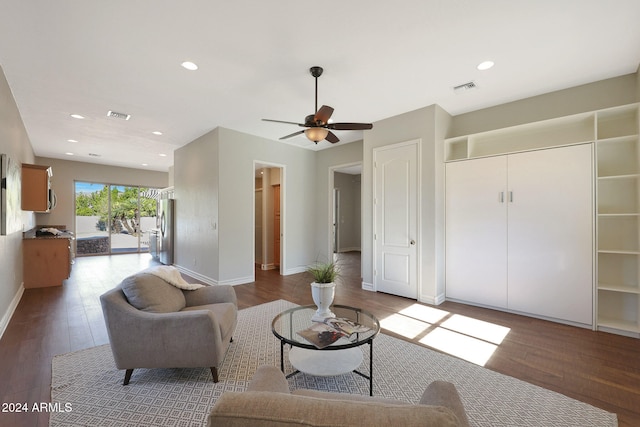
x=316 y=72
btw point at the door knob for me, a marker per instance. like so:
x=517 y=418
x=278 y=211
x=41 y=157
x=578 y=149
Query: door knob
x=412 y=242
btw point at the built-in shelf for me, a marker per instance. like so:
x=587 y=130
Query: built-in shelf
x=615 y=135
x=564 y=131
x=618 y=225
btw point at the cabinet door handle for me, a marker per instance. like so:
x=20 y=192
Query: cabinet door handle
x=510 y=196
x=501 y=197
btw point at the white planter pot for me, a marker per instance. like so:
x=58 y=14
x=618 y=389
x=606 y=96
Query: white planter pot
x=323 y=294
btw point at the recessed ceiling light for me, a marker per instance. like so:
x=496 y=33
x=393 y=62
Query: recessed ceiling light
x=189 y=65
x=72 y=140
x=145 y=164
x=485 y=65
x=162 y=155
x=156 y=132
x=77 y=116
x=69 y=154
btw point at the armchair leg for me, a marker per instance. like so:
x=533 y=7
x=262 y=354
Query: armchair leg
x=214 y=374
x=127 y=376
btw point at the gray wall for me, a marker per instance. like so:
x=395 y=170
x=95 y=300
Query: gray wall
x=214 y=188
x=15 y=143
x=326 y=160
x=429 y=125
x=593 y=96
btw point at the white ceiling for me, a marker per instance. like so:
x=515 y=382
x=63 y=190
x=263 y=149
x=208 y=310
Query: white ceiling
x=381 y=59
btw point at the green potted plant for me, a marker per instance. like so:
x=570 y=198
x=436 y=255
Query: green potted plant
x=323 y=288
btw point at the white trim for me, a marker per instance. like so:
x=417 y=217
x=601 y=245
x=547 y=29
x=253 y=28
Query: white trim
x=437 y=300
x=204 y=279
x=237 y=281
x=294 y=270
x=368 y=286
x=213 y=282
x=4 y=323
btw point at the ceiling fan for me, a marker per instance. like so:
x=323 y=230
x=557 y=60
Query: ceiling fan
x=318 y=126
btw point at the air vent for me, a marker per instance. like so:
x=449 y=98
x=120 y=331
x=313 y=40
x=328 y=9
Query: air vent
x=94 y=155
x=465 y=87
x=117 y=115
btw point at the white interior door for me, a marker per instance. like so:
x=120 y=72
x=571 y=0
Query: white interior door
x=396 y=228
x=476 y=231
x=551 y=233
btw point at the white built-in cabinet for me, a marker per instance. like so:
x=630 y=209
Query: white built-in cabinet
x=544 y=219
x=519 y=230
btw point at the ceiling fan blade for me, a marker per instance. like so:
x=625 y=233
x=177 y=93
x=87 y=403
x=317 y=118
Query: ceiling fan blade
x=292 y=134
x=332 y=138
x=282 y=121
x=350 y=126
x=323 y=114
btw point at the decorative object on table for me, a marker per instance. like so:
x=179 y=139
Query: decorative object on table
x=323 y=288
x=325 y=332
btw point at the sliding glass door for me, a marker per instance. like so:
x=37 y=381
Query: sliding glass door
x=113 y=218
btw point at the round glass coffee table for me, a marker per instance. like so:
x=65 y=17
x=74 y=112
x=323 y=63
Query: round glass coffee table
x=340 y=356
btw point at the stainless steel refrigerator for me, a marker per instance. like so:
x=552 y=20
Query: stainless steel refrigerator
x=167 y=227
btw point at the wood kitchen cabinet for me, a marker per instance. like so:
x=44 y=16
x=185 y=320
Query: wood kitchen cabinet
x=47 y=261
x=36 y=188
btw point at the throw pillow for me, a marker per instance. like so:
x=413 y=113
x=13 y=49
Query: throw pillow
x=148 y=292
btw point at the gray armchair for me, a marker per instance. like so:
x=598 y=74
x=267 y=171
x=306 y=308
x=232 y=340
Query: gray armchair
x=153 y=324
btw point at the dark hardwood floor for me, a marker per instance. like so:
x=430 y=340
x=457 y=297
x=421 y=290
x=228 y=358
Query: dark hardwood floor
x=594 y=367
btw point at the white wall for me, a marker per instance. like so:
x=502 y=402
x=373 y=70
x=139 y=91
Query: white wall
x=15 y=143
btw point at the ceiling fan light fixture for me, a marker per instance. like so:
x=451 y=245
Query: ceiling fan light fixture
x=316 y=134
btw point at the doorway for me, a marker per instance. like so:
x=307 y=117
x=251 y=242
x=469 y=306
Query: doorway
x=345 y=188
x=396 y=219
x=269 y=216
x=113 y=218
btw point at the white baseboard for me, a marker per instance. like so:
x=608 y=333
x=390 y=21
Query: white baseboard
x=237 y=281
x=210 y=281
x=294 y=270
x=437 y=300
x=201 y=278
x=11 y=309
x=368 y=286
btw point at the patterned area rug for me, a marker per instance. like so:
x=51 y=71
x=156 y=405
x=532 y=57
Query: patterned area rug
x=88 y=381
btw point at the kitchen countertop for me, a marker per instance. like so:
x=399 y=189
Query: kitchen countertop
x=62 y=234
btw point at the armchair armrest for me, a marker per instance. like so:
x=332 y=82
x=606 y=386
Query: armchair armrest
x=211 y=295
x=442 y=393
x=269 y=378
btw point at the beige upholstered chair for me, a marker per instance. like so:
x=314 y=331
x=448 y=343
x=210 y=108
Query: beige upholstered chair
x=153 y=324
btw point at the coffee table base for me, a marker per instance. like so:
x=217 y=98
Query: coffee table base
x=303 y=359
x=325 y=363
